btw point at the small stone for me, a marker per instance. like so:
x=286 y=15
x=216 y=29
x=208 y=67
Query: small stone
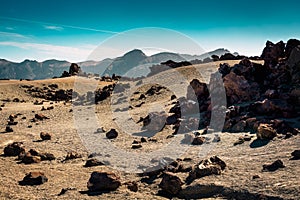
x=143 y=140
x=274 y=166
x=239 y=141
x=112 y=134
x=198 y=140
x=45 y=136
x=136 y=146
x=12 y=123
x=102 y=180
x=255 y=177
x=34 y=178
x=152 y=140
x=170 y=136
x=296 y=154
x=29 y=159
x=40 y=117
x=9 y=129
x=132 y=186
x=288 y=135
x=73 y=155
x=93 y=162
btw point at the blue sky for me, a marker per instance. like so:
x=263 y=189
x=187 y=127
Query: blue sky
x=71 y=30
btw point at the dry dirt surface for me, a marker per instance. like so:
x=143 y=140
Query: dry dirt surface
x=243 y=177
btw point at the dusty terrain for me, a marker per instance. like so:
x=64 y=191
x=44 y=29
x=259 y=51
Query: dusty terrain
x=243 y=161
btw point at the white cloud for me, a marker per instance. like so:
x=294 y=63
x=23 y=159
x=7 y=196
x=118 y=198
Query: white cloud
x=56 y=28
x=10 y=28
x=47 y=51
x=12 y=35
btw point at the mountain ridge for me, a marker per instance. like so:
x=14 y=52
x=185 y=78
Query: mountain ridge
x=32 y=69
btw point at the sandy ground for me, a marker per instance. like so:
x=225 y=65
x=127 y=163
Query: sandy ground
x=243 y=161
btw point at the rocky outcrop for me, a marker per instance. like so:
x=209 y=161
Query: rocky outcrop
x=272 y=52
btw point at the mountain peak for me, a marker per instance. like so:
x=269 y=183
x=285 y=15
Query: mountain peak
x=135 y=53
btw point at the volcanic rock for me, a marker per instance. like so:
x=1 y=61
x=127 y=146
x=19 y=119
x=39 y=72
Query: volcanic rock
x=73 y=155
x=272 y=52
x=238 y=89
x=9 y=129
x=14 y=149
x=274 y=166
x=102 y=180
x=171 y=183
x=132 y=186
x=34 y=178
x=266 y=131
x=213 y=165
x=45 y=136
x=93 y=162
x=112 y=134
x=198 y=140
x=296 y=154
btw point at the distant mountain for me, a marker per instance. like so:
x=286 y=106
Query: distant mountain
x=136 y=63
x=133 y=63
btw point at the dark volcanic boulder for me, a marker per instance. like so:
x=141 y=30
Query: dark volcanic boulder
x=14 y=149
x=198 y=90
x=74 y=69
x=112 y=134
x=171 y=183
x=101 y=181
x=34 y=178
x=274 y=166
x=294 y=64
x=272 y=52
x=290 y=45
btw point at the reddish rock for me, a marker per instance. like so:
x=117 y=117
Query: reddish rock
x=34 y=178
x=102 y=180
x=28 y=158
x=238 y=89
x=197 y=90
x=266 y=131
x=171 y=183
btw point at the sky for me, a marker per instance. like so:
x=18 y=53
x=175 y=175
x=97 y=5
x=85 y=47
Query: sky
x=72 y=30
